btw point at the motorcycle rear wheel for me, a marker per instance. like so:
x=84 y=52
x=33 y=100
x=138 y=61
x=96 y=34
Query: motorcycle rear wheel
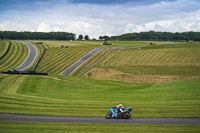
x=126 y=115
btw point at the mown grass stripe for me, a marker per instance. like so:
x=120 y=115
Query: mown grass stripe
x=136 y=56
x=54 y=52
x=4 y=48
x=116 y=56
x=21 y=56
x=152 y=57
x=181 y=61
x=3 y=45
x=15 y=57
x=162 y=57
x=5 y=81
x=90 y=62
x=52 y=55
x=9 y=84
x=9 y=57
x=4 y=60
x=65 y=61
x=18 y=57
x=61 y=62
x=51 y=61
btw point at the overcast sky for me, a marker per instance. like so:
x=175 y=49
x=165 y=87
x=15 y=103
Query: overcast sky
x=100 y=17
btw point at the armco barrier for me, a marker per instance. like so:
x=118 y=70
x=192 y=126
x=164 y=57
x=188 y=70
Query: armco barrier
x=24 y=73
x=6 y=51
x=39 y=60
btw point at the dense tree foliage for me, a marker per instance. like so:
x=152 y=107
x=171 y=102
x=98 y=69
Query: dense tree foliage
x=144 y=36
x=100 y=38
x=86 y=37
x=80 y=37
x=37 y=35
x=104 y=38
x=159 y=36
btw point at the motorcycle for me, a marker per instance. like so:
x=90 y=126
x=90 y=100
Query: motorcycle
x=114 y=113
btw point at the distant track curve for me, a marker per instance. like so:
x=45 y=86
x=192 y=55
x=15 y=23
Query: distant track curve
x=30 y=59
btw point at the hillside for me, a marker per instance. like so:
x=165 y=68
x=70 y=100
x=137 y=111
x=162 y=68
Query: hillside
x=17 y=54
x=2 y=47
x=71 y=96
x=173 y=61
x=57 y=59
x=56 y=95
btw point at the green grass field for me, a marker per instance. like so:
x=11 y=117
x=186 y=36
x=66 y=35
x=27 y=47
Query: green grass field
x=182 y=59
x=55 y=60
x=91 y=61
x=59 y=95
x=22 y=127
x=3 y=47
x=71 y=96
x=17 y=54
x=90 y=44
x=159 y=81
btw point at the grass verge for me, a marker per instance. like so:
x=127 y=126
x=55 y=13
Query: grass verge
x=24 y=127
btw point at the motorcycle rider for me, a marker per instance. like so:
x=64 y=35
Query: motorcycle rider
x=120 y=108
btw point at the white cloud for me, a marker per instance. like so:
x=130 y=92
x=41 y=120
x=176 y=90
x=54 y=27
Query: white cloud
x=44 y=27
x=174 y=25
x=96 y=20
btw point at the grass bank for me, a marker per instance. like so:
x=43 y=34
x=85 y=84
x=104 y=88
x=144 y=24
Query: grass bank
x=22 y=127
x=3 y=47
x=57 y=59
x=17 y=54
x=71 y=96
x=181 y=59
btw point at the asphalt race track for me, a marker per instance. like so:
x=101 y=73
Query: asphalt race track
x=26 y=118
x=82 y=60
x=30 y=59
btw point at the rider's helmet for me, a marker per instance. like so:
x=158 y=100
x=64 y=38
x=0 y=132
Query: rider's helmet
x=120 y=105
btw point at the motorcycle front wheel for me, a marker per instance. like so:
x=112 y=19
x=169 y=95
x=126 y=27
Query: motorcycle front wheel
x=108 y=116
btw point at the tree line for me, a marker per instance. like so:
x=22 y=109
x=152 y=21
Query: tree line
x=37 y=35
x=158 y=36
x=143 y=36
